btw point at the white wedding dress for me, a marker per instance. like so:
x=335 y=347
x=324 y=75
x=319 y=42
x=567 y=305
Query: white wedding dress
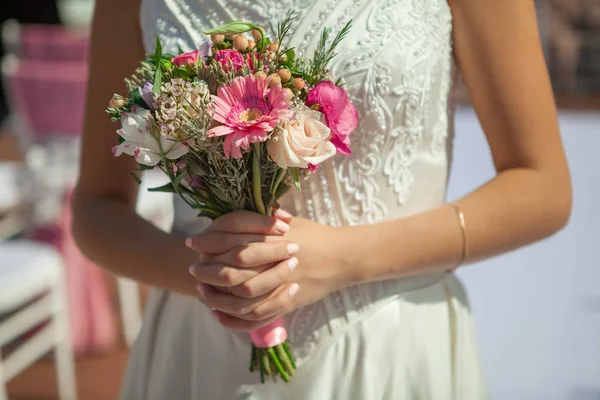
x=401 y=339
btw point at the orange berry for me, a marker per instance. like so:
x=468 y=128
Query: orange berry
x=298 y=83
x=274 y=79
x=256 y=34
x=240 y=43
x=216 y=39
x=285 y=75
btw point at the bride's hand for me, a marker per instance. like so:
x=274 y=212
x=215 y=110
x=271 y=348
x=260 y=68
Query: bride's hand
x=321 y=270
x=235 y=250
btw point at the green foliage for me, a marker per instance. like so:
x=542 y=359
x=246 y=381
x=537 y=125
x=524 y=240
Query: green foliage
x=324 y=54
x=232 y=28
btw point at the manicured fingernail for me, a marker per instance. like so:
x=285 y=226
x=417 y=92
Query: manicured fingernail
x=201 y=289
x=292 y=248
x=293 y=289
x=282 y=227
x=292 y=263
x=188 y=242
x=192 y=269
x=279 y=213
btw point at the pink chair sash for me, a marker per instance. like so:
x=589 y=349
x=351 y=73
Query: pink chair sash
x=51 y=43
x=49 y=96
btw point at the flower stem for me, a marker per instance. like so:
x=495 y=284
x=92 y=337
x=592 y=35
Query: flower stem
x=289 y=354
x=256 y=180
x=253 y=359
x=285 y=361
x=265 y=363
x=277 y=180
x=278 y=365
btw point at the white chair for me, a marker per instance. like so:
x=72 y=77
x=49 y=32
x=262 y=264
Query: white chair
x=32 y=290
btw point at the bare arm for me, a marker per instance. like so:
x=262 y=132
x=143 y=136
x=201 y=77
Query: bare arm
x=499 y=53
x=105 y=224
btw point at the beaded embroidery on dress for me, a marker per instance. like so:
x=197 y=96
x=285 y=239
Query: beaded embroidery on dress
x=397 y=66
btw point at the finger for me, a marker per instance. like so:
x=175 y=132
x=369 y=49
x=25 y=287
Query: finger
x=270 y=309
x=254 y=254
x=266 y=281
x=249 y=222
x=283 y=215
x=225 y=275
x=228 y=303
x=238 y=324
x=220 y=242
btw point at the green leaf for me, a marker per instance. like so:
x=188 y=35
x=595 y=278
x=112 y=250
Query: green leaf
x=264 y=43
x=167 y=188
x=189 y=69
x=290 y=57
x=295 y=173
x=166 y=64
x=294 y=71
x=180 y=50
x=224 y=45
x=136 y=99
x=167 y=56
x=178 y=178
x=157 y=58
x=181 y=72
x=231 y=28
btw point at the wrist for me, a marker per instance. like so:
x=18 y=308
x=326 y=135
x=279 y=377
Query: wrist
x=353 y=250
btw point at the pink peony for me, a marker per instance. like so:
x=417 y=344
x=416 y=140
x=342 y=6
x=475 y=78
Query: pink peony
x=186 y=58
x=340 y=114
x=248 y=110
x=226 y=56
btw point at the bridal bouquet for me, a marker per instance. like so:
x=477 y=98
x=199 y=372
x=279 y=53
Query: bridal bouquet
x=234 y=125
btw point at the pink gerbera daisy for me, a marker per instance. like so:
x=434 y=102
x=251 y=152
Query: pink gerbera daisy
x=248 y=110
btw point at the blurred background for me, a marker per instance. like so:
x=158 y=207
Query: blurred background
x=66 y=326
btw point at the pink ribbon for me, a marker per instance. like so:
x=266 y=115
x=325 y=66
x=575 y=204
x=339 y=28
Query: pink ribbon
x=269 y=335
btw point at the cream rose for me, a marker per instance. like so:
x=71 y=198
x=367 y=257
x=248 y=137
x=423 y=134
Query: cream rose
x=302 y=142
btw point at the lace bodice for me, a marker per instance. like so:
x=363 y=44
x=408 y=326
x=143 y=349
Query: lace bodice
x=397 y=66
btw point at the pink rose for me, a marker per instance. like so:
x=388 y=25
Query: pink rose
x=340 y=114
x=226 y=56
x=186 y=58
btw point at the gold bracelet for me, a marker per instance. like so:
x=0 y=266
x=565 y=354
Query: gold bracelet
x=465 y=239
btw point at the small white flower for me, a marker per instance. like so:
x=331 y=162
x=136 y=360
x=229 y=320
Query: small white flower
x=139 y=142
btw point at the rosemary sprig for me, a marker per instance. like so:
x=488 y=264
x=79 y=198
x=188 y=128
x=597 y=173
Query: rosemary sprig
x=323 y=54
x=283 y=28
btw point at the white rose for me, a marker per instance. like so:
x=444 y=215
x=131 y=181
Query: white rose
x=304 y=140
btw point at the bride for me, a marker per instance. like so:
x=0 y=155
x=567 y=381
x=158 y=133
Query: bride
x=365 y=255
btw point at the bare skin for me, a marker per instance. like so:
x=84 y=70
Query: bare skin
x=497 y=47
